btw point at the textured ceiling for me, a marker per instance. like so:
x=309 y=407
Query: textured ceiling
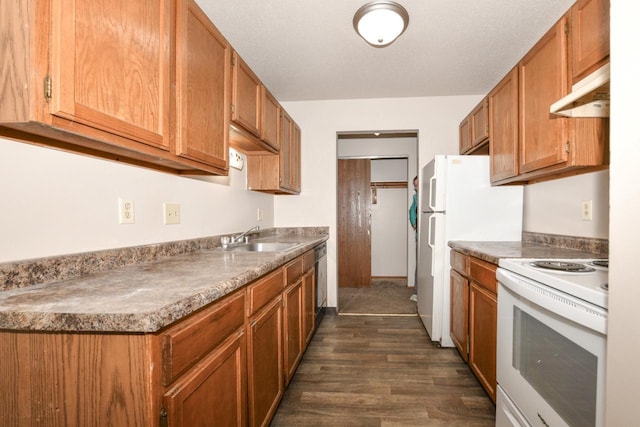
x=304 y=50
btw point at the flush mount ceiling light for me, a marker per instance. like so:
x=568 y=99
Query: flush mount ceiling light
x=380 y=22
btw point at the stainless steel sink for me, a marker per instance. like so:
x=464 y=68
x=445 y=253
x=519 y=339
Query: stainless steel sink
x=262 y=247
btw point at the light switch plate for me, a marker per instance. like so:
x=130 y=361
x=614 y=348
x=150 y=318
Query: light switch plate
x=587 y=210
x=171 y=213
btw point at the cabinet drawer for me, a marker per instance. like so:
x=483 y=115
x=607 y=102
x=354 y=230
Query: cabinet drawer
x=308 y=259
x=460 y=263
x=264 y=290
x=483 y=273
x=189 y=341
x=294 y=271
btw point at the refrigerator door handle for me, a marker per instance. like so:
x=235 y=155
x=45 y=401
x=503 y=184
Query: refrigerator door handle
x=432 y=193
x=429 y=240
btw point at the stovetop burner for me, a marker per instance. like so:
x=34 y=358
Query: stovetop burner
x=600 y=263
x=565 y=266
x=582 y=280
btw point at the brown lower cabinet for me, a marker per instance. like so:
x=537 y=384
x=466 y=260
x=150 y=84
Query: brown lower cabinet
x=460 y=313
x=220 y=374
x=223 y=365
x=265 y=370
x=474 y=313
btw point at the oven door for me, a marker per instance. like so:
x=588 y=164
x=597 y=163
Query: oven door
x=551 y=353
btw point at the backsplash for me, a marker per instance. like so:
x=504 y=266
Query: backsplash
x=53 y=269
x=587 y=244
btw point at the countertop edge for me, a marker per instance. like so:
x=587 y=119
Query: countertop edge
x=493 y=251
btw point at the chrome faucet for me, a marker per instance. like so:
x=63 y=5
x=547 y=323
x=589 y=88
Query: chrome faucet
x=239 y=237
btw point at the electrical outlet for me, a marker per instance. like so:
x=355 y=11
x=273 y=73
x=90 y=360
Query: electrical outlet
x=587 y=210
x=171 y=213
x=126 y=213
x=235 y=159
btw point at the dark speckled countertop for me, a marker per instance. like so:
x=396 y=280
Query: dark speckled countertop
x=493 y=251
x=143 y=297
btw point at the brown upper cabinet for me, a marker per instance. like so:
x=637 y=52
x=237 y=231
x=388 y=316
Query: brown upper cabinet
x=278 y=173
x=203 y=78
x=465 y=135
x=254 y=112
x=503 y=129
x=84 y=82
x=295 y=159
x=480 y=123
x=543 y=80
x=474 y=130
x=589 y=37
x=269 y=119
x=550 y=145
x=245 y=108
x=546 y=146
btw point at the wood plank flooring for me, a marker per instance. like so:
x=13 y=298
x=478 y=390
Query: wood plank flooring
x=384 y=296
x=381 y=371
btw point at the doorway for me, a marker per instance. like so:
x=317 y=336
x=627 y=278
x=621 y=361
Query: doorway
x=376 y=248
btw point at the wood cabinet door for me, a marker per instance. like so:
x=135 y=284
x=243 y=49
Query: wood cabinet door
x=214 y=391
x=503 y=128
x=480 y=123
x=264 y=361
x=295 y=167
x=269 y=118
x=483 y=314
x=309 y=308
x=465 y=135
x=203 y=61
x=293 y=340
x=460 y=313
x=543 y=80
x=110 y=67
x=286 y=139
x=589 y=37
x=246 y=96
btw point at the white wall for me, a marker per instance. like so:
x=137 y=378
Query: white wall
x=56 y=203
x=436 y=119
x=623 y=348
x=555 y=206
x=392 y=170
x=389 y=218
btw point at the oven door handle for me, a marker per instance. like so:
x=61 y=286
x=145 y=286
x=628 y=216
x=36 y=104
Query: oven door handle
x=564 y=305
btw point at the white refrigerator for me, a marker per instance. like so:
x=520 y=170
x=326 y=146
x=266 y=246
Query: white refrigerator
x=457 y=202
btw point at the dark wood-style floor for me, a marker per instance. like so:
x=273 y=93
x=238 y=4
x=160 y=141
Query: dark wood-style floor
x=381 y=371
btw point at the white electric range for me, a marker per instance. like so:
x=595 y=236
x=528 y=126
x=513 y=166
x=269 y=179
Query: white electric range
x=552 y=326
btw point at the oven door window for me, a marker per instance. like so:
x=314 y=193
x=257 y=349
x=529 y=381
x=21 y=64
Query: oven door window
x=561 y=371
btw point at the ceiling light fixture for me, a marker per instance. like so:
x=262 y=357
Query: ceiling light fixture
x=380 y=23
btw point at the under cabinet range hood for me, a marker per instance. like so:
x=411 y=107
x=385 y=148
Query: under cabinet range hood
x=588 y=98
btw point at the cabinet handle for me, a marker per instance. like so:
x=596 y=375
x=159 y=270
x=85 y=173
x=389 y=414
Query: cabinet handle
x=164 y=420
x=47 y=88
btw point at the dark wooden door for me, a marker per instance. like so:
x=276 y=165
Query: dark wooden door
x=354 y=223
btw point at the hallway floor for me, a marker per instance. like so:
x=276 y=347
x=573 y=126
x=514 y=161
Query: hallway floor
x=384 y=296
x=381 y=371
